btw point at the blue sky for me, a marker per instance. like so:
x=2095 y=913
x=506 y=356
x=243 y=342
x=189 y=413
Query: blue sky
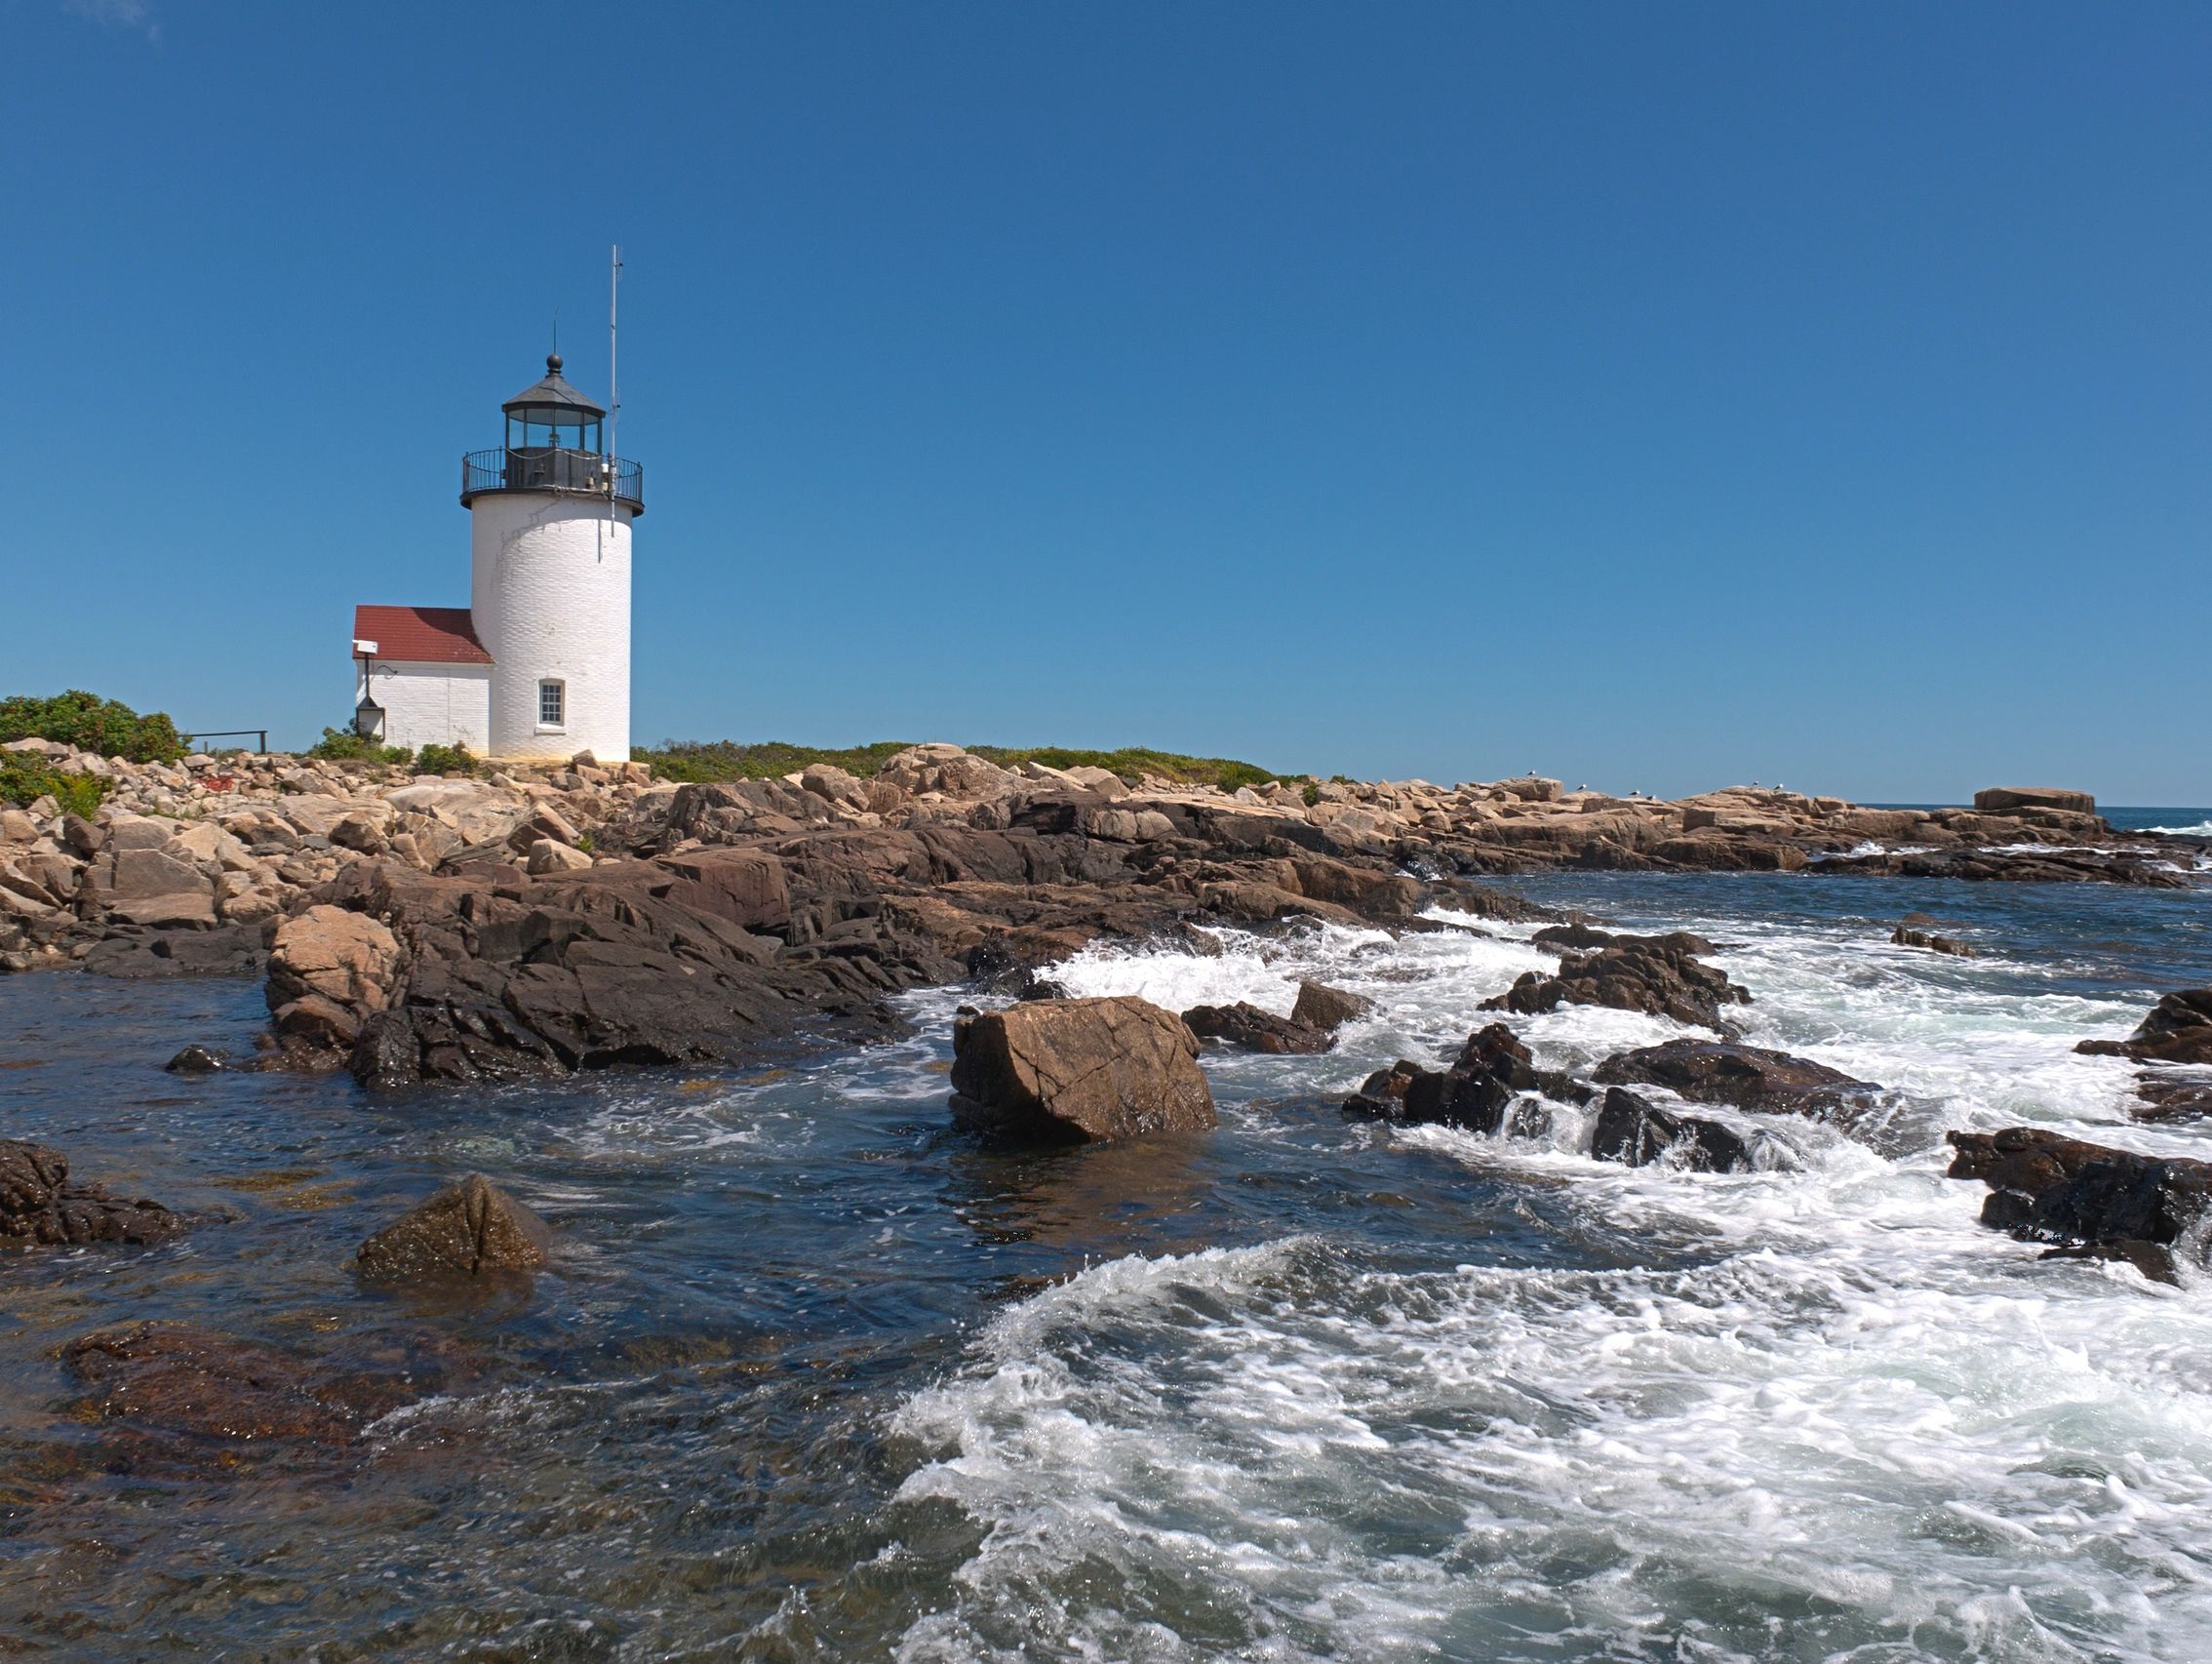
x=1657 y=396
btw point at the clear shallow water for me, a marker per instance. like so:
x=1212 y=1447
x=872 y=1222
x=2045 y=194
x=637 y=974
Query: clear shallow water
x=815 y=1377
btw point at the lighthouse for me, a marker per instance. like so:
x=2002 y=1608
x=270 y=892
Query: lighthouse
x=537 y=665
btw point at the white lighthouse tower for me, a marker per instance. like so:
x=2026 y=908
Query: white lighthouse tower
x=538 y=665
x=549 y=574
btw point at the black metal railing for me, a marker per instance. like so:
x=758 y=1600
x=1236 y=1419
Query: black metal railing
x=545 y=468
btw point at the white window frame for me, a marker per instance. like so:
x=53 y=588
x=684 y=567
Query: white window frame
x=561 y=688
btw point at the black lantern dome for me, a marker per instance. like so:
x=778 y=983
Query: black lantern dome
x=551 y=414
x=555 y=443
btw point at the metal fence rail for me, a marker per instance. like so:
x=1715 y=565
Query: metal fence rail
x=261 y=737
x=540 y=468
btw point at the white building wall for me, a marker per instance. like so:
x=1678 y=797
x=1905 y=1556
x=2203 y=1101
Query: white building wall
x=426 y=704
x=549 y=588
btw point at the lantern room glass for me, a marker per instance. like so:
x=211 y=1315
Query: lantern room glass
x=552 y=427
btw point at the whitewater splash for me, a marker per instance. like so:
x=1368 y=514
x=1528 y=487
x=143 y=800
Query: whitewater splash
x=1818 y=1413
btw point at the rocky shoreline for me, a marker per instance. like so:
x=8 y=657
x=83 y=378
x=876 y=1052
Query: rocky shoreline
x=419 y=931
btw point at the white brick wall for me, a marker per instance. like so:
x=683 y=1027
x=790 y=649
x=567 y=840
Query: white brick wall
x=549 y=585
x=424 y=704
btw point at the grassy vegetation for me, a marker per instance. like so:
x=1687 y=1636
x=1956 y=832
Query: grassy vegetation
x=1132 y=760
x=726 y=759
x=768 y=760
x=24 y=778
x=343 y=746
x=445 y=760
x=89 y=723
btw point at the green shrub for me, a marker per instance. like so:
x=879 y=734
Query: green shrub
x=1132 y=760
x=1312 y=793
x=444 y=760
x=90 y=723
x=767 y=759
x=343 y=746
x=25 y=778
x=772 y=759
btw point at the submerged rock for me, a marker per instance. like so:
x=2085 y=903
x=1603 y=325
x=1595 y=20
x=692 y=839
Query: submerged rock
x=2178 y=1030
x=467 y=1229
x=175 y=1389
x=196 y=1060
x=39 y=1205
x=1078 y=1071
x=2083 y=1197
x=1637 y=1132
x=1748 y=1076
x=1906 y=936
x=1662 y=975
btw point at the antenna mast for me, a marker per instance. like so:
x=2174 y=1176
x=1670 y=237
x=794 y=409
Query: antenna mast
x=613 y=398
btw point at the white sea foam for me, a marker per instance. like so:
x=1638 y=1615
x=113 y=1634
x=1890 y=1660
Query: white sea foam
x=1831 y=1416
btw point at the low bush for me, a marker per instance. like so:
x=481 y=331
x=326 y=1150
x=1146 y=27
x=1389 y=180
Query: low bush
x=445 y=760
x=764 y=760
x=772 y=759
x=24 y=778
x=89 y=723
x=1132 y=760
x=343 y=746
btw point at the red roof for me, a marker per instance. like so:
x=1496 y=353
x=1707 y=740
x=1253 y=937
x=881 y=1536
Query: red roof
x=420 y=635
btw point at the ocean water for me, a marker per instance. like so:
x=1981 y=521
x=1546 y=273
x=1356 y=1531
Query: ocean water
x=816 y=1377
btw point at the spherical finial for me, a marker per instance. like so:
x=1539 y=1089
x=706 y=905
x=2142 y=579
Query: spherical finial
x=553 y=364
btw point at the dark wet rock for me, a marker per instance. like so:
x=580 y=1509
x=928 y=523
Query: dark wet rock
x=1637 y=1132
x=2045 y=1187
x=2178 y=1030
x=197 y=1059
x=1481 y=1091
x=1658 y=974
x=1247 y=1026
x=1078 y=1071
x=2139 y=867
x=2167 y=1096
x=1748 y=1076
x=1382 y=1095
x=1321 y=1006
x=137 y=953
x=39 y=1205
x=469 y=1229
x=1577 y=935
x=1906 y=936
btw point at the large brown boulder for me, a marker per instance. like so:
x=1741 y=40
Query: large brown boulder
x=39 y=1205
x=1748 y=1076
x=349 y=958
x=1078 y=1071
x=1328 y=1008
x=2178 y=1030
x=467 y=1229
x=2004 y=800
